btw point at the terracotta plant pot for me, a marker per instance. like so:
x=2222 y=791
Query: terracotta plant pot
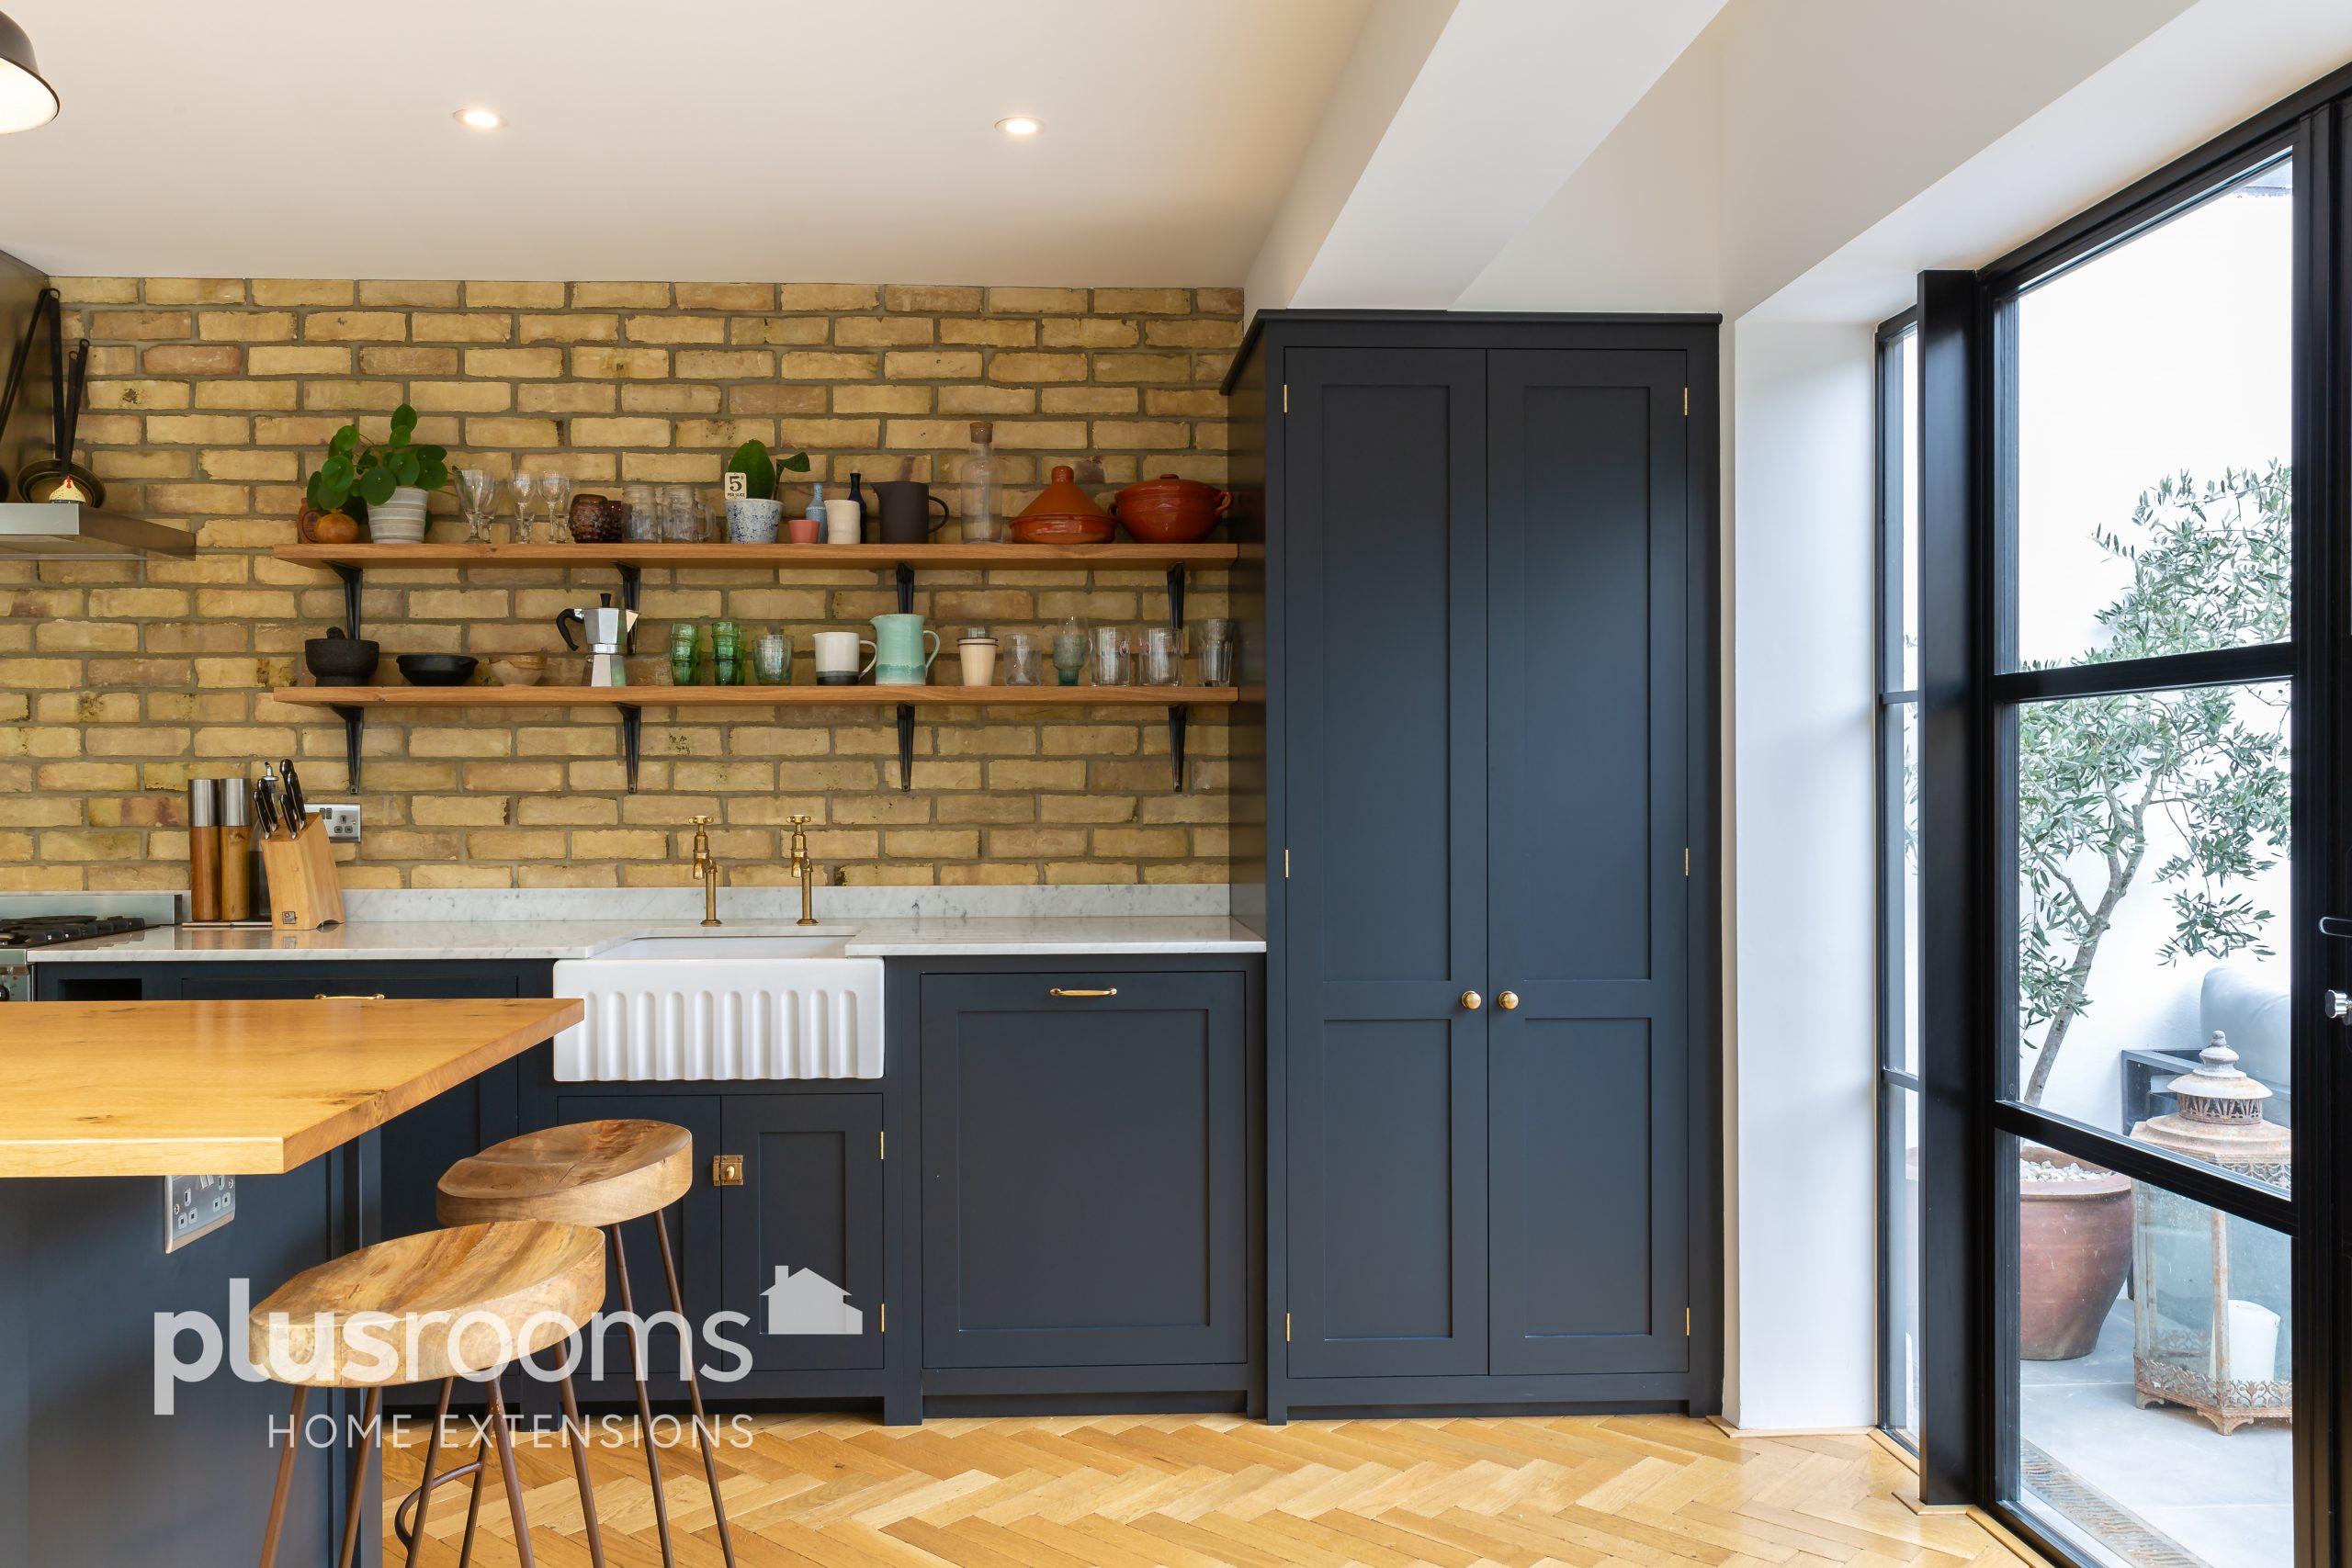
x=2074 y=1248
x=1063 y=515
x=1170 y=510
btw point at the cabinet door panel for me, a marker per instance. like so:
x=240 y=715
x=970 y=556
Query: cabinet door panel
x=1588 y=899
x=1386 y=719
x=1085 y=1170
x=693 y=1224
x=804 y=1232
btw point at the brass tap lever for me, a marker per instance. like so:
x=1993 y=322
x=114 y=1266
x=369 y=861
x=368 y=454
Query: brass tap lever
x=707 y=870
x=805 y=869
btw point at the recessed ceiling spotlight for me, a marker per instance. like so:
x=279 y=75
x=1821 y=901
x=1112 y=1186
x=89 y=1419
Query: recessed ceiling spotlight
x=479 y=119
x=1019 y=125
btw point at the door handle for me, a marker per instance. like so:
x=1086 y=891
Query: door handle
x=349 y=996
x=1472 y=1001
x=1507 y=1001
x=1064 y=991
x=2335 y=1006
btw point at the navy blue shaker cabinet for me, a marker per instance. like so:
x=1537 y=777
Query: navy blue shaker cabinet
x=1489 y=880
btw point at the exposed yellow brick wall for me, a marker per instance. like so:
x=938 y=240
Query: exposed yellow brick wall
x=210 y=399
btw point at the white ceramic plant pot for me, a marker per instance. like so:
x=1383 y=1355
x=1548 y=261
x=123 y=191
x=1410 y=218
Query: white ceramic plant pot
x=751 y=522
x=401 y=520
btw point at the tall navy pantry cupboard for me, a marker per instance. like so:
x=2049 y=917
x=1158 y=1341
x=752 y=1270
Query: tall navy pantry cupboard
x=1489 y=879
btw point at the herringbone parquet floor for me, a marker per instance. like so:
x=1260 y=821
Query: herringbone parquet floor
x=1191 y=1491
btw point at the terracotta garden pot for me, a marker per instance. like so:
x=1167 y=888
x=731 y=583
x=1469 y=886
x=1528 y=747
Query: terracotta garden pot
x=2074 y=1248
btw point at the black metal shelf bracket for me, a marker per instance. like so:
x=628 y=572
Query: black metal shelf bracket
x=1177 y=716
x=355 y=720
x=1176 y=597
x=906 y=745
x=350 y=575
x=906 y=580
x=632 y=578
x=632 y=741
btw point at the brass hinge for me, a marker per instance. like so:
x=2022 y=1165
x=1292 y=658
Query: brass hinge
x=1285 y=397
x=1686 y=402
x=886 y=1318
x=1285 y=865
x=726 y=1170
x=1285 y=1328
x=1686 y=859
x=1686 y=1323
x=882 y=1145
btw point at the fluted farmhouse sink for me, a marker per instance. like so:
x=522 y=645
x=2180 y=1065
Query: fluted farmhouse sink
x=722 y=1005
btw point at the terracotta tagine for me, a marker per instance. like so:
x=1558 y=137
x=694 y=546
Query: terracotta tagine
x=1063 y=515
x=1170 y=510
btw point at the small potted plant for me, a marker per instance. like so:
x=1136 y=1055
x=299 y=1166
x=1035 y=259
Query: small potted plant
x=389 y=479
x=753 y=511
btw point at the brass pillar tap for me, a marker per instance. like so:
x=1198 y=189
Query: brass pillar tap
x=805 y=869
x=707 y=870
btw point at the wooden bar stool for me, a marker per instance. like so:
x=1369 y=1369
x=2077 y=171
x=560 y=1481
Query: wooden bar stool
x=439 y=1305
x=601 y=1173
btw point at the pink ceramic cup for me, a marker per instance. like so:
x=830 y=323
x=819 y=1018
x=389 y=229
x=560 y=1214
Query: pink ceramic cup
x=805 y=530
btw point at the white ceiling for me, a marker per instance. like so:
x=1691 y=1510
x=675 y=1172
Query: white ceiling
x=815 y=140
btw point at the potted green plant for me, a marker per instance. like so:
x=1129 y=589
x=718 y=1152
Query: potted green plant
x=753 y=511
x=389 y=479
x=2095 y=777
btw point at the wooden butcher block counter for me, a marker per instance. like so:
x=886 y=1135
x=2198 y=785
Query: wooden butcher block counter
x=235 y=1088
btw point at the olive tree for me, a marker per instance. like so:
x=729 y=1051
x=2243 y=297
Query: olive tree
x=2209 y=568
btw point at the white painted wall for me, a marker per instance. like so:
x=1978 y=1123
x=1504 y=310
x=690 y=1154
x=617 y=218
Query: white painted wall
x=1801 y=1322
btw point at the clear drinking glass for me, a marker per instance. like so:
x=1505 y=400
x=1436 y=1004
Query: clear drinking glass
x=1024 y=660
x=477 y=494
x=644 y=522
x=1161 y=661
x=1217 y=652
x=771 y=659
x=523 y=491
x=679 y=524
x=1108 y=645
x=555 y=495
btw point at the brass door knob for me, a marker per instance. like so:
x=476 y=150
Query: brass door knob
x=1471 y=1002
x=726 y=1170
x=1507 y=1001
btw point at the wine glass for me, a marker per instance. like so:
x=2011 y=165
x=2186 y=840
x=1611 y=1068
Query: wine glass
x=476 y=495
x=555 y=495
x=523 y=489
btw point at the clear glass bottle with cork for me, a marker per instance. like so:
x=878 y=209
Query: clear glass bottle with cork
x=982 y=508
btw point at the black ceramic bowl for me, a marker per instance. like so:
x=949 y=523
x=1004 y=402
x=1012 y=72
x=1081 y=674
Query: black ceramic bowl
x=339 y=660
x=438 y=668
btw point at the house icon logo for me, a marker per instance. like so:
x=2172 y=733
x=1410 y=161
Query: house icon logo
x=806 y=1303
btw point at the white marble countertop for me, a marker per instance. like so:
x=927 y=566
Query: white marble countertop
x=381 y=940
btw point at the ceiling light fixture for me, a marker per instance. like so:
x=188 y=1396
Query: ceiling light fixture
x=26 y=100
x=1019 y=125
x=479 y=119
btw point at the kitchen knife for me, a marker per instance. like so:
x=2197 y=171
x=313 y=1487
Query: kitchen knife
x=292 y=784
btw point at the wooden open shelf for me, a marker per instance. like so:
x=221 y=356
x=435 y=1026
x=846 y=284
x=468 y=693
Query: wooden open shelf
x=629 y=560
x=351 y=703
x=1035 y=558
x=760 y=696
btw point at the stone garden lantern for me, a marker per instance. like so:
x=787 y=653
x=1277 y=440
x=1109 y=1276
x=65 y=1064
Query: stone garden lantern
x=2209 y=1291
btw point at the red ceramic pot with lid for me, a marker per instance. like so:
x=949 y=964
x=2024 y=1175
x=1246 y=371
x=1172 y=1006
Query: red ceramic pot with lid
x=1170 y=510
x=1063 y=515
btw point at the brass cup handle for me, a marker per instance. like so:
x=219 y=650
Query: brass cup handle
x=349 y=996
x=1472 y=1001
x=1507 y=1001
x=1062 y=991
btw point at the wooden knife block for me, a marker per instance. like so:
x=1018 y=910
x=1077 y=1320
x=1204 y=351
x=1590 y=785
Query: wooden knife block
x=303 y=893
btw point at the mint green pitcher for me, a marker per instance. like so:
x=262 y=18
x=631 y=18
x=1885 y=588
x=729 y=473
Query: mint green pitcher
x=899 y=659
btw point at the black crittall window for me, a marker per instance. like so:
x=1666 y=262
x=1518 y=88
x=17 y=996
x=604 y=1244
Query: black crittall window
x=2115 y=878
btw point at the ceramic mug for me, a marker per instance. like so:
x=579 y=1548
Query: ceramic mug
x=901 y=658
x=843 y=522
x=836 y=662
